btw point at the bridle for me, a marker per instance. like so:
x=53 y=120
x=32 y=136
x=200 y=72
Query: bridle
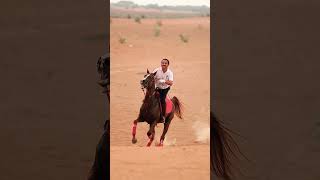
x=142 y=88
x=142 y=85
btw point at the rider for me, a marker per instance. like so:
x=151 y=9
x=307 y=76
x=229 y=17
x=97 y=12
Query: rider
x=164 y=79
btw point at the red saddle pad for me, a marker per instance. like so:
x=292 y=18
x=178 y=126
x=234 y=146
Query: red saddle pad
x=169 y=105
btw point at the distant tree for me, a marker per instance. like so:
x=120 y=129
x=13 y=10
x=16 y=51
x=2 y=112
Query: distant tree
x=137 y=20
x=125 y=4
x=152 y=6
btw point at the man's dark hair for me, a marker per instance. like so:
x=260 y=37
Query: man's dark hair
x=166 y=60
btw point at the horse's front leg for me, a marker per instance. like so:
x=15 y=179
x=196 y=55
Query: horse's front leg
x=151 y=133
x=134 y=131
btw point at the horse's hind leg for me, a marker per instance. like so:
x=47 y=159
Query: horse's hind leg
x=165 y=130
x=134 y=130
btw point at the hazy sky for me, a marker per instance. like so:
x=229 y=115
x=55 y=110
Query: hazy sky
x=170 y=2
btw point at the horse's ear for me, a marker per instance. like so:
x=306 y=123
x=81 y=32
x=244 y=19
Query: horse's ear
x=148 y=71
x=155 y=73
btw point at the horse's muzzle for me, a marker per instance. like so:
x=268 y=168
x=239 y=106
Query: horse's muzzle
x=142 y=83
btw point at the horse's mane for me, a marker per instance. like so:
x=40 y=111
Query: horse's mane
x=223 y=149
x=103 y=66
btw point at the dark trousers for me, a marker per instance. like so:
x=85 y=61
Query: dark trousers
x=163 y=94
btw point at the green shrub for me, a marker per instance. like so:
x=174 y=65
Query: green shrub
x=184 y=38
x=137 y=19
x=157 y=31
x=122 y=40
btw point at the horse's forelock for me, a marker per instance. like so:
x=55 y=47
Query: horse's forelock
x=146 y=76
x=151 y=82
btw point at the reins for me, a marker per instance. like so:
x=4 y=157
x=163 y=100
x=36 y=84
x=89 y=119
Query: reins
x=143 y=91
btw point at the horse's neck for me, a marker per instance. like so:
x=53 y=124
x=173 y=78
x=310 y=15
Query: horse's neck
x=149 y=97
x=151 y=90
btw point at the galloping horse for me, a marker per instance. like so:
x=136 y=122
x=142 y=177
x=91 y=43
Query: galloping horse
x=150 y=110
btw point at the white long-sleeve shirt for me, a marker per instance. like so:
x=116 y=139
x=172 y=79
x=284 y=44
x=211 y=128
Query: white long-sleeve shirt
x=168 y=75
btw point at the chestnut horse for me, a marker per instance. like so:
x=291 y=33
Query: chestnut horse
x=150 y=110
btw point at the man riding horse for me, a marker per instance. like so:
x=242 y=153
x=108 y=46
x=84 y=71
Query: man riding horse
x=164 y=80
x=155 y=109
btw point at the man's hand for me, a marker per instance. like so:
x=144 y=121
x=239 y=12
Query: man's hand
x=162 y=81
x=166 y=82
x=169 y=82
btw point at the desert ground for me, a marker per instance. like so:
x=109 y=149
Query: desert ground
x=185 y=154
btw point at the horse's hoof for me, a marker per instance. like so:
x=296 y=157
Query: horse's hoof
x=134 y=140
x=149 y=143
x=159 y=145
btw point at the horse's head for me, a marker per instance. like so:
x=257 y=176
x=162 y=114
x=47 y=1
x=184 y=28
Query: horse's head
x=148 y=80
x=103 y=66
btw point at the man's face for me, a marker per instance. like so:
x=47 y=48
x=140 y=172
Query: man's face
x=164 y=64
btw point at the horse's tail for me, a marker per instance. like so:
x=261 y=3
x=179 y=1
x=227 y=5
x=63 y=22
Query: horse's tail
x=223 y=146
x=177 y=106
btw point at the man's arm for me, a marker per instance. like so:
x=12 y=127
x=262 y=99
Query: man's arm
x=170 y=81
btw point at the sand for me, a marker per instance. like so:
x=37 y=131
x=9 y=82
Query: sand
x=183 y=156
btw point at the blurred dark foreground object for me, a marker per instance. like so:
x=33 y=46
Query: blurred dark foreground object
x=223 y=148
x=99 y=170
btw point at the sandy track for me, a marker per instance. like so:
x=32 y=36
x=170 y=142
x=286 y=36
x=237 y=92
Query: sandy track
x=160 y=163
